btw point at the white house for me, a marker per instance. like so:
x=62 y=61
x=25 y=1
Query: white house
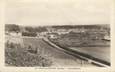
x=15 y=34
x=52 y=36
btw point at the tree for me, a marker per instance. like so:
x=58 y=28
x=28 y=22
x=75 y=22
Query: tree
x=12 y=27
x=41 y=29
x=30 y=29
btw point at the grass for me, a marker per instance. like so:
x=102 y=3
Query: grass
x=80 y=40
x=15 y=55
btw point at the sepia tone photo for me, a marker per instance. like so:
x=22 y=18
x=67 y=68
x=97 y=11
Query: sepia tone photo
x=57 y=33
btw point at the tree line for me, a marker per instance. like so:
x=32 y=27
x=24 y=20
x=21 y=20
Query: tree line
x=17 y=28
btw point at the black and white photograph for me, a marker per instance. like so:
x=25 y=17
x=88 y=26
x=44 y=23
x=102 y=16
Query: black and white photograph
x=57 y=33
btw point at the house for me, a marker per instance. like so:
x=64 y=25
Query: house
x=53 y=36
x=15 y=34
x=107 y=38
x=62 y=31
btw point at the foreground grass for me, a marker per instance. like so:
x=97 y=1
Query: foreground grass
x=15 y=55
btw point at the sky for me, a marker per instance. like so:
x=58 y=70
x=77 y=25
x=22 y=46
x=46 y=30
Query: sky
x=57 y=12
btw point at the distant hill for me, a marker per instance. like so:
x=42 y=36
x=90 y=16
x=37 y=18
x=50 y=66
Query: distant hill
x=17 y=28
x=96 y=26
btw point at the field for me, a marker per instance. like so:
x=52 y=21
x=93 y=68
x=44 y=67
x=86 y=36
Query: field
x=80 y=40
x=46 y=55
x=89 y=45
x=59 y=58
x=19 y=55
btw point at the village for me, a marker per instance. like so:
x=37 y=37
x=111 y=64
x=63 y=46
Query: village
x=55 y=33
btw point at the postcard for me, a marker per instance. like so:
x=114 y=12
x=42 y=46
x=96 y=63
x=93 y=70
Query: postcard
x=57 y=36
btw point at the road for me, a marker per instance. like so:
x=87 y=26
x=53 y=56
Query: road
x=58 y=57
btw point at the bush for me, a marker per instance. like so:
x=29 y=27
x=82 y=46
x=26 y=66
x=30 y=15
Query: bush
x=20 y=57
x=31 y=34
